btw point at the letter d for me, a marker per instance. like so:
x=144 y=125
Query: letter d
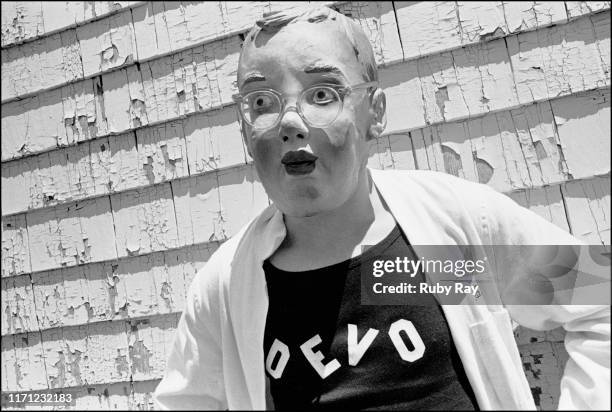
x=283 y=350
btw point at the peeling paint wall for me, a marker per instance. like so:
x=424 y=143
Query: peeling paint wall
x=123 y=168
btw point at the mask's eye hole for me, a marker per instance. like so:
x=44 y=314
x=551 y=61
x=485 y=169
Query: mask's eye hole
x=261 y=102
x=322 y=96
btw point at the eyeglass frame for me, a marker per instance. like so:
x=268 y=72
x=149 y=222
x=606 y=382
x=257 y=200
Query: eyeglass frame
x=343 y=92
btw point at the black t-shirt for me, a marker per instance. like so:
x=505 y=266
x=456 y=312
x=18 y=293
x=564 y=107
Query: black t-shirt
x=322 y=348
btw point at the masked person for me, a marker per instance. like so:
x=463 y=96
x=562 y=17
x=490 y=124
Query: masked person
x=275 y=317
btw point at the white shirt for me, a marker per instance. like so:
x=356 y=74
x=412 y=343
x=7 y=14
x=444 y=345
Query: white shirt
x=217 y=359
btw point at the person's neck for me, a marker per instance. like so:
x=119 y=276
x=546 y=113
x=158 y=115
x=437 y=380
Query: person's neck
x=336 y=234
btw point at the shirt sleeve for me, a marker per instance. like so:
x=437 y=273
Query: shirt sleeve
x=586 y=380
x=193 y=379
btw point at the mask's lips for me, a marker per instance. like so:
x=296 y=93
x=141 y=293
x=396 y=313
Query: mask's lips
x=299 y=162
x=298 y=156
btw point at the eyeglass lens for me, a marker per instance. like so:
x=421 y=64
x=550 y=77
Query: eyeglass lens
x=319 y=106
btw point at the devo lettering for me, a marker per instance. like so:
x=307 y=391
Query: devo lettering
x=279 y=355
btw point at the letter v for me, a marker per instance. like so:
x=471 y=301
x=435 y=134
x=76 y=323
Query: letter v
x=357 y=349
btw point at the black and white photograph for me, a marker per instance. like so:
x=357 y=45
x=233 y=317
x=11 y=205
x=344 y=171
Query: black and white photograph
x=305 y=205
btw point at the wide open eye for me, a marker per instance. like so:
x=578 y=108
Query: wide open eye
x=262 y=103
x=322 y=96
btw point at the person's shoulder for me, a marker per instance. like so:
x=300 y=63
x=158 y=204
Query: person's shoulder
x=434 y=182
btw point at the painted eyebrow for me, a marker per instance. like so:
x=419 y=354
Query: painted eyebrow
x=323 y=68
x=253 y=77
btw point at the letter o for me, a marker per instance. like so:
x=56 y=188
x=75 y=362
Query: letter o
x=413 y=335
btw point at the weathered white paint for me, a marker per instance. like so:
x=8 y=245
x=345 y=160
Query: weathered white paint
x=241 y=198
x=99 y=353
x=464 y=82
x=107 y=43
x=583 y=125
x=21 y=20
x=508 y=150
x=144 y=220
x=29 y=363
x=138 y=286
x=588 y=208
x=579 y=8
x=481 y=20
x=15 y=246
x=48 y=62
x=161 y=153
x=558 y=61
x=150 y=342
x=213 y=141
x=377 y=19
x=196 y=202
x=70 y=235
x=529 y=15
x=546 y=202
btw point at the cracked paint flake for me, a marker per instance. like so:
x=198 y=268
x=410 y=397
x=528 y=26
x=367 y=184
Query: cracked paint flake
x=107 y=43
x=241 y=198
x=117 y=101
x=380 y=154
x=21 y=21
x=578 y=8
x=481 y=20
x=138 y=110
x=43 y=64
x=557 y=61
x=377 y=19
x=16 y=187
x=150 y=342
x=32 y=125
x=159 y=90
x=124 y=170
x=29 y=362
x=80 y=114
x=213 y=140
x=150 y=30
x=485 y=77
x=583 y=125
x=9 y=377
x=15 y=246
x=426 y=28
x=140 y=282
x=106 y=342
x=49 y=298
x=196 y=202
x=405 y=101
x=588 y=208
x=71 y=235
x=442 y=94
x=144 y=220
x=528 y=15
x=22 y=317
x=76 y=297
x=161 y=153
x=539 y=140
x=543 y=363
x=402 y=151
x=545 y=201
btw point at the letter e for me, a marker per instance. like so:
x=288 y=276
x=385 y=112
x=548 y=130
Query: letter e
x=315 y=358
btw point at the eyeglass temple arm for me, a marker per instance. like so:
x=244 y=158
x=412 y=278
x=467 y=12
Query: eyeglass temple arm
x=365 y=85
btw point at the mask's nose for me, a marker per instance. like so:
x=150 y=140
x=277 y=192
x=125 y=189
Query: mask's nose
x=292 y=126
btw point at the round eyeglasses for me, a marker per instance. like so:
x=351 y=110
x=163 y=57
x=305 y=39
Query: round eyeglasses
x=318 y=105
